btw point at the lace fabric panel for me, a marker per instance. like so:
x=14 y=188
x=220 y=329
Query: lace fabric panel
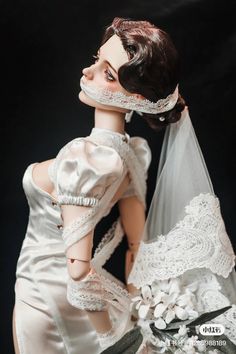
x=211 y=296
x=119 y=99
x=87 y=294
x=108 y=244
x=98 y=290
x=95 y=292
x=79 y=227
x=198 y=241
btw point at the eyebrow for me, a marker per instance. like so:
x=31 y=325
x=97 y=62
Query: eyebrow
x=107 y=62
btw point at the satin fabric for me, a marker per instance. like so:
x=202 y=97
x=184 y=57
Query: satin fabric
x=86 y=170
x=45 y=321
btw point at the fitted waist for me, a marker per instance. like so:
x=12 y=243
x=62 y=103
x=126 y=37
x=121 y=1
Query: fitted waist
x=40 y=259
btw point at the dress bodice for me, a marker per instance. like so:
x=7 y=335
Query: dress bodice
x=44 y=213
x=45 y=226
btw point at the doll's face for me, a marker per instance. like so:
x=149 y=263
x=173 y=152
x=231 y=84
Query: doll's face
x=103 y=73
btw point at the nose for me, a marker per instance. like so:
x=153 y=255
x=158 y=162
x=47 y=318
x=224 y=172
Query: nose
x=88 y=72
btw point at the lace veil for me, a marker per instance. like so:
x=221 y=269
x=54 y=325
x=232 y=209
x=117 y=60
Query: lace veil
x=184 y=229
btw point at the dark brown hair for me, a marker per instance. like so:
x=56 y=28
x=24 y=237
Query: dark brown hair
x=153 y=68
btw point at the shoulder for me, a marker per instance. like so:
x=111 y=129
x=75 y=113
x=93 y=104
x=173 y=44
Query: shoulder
x=86 y=168
x=142 y=150
x=86 y=152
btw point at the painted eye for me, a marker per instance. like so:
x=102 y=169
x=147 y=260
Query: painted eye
x=109 y=76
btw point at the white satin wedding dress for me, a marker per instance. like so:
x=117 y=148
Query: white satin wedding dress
x=88 y=169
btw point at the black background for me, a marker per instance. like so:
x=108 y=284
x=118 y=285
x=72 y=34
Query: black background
x=45 y=45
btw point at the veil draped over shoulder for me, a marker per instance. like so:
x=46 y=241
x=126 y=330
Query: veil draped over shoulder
x=184 y=235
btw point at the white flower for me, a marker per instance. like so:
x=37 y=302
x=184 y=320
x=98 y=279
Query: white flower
x=143 y=302
x=160 y=323
x=145 y=328
x=159 y=309
x=162 y=302
x=172 y=304
x=143 y=310
x=192 y=314
x=164 y=345
x=183 y=330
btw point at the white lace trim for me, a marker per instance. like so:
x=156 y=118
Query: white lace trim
x=96 y=292
x=101 y=286
x=198 y=241
x=108 y=244
x=229 y=322
x=80 y=226
x=210 y=298
x=119 y=99
x=87 y=294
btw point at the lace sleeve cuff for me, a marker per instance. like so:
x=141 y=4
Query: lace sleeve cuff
x=87 y=294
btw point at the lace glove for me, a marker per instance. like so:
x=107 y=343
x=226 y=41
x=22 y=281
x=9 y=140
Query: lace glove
x=87 y=294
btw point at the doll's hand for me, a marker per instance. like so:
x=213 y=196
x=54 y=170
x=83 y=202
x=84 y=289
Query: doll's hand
x=129 y=261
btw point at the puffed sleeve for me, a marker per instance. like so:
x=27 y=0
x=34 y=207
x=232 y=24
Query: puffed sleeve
x=143 y=154
x=85 y=171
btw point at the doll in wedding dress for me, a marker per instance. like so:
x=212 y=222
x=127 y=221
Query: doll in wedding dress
x=66 y=302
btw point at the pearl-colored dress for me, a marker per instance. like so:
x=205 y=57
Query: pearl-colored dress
x=49 y=306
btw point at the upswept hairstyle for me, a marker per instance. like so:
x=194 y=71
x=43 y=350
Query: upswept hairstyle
x=153 y=68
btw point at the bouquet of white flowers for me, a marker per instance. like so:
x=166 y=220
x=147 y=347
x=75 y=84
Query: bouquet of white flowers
x=166 y=321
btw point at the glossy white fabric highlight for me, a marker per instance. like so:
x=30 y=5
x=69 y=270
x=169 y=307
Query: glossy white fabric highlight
x=86 y=170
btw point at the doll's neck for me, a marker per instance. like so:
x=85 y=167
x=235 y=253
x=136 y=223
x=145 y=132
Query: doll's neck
x=111 y=120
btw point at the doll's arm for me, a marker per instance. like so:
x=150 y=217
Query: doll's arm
x=78 y=264
x=81 y=251
x=132 y=213
x=85 y=170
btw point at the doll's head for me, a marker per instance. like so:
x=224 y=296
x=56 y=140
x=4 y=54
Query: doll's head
x=146 y=66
